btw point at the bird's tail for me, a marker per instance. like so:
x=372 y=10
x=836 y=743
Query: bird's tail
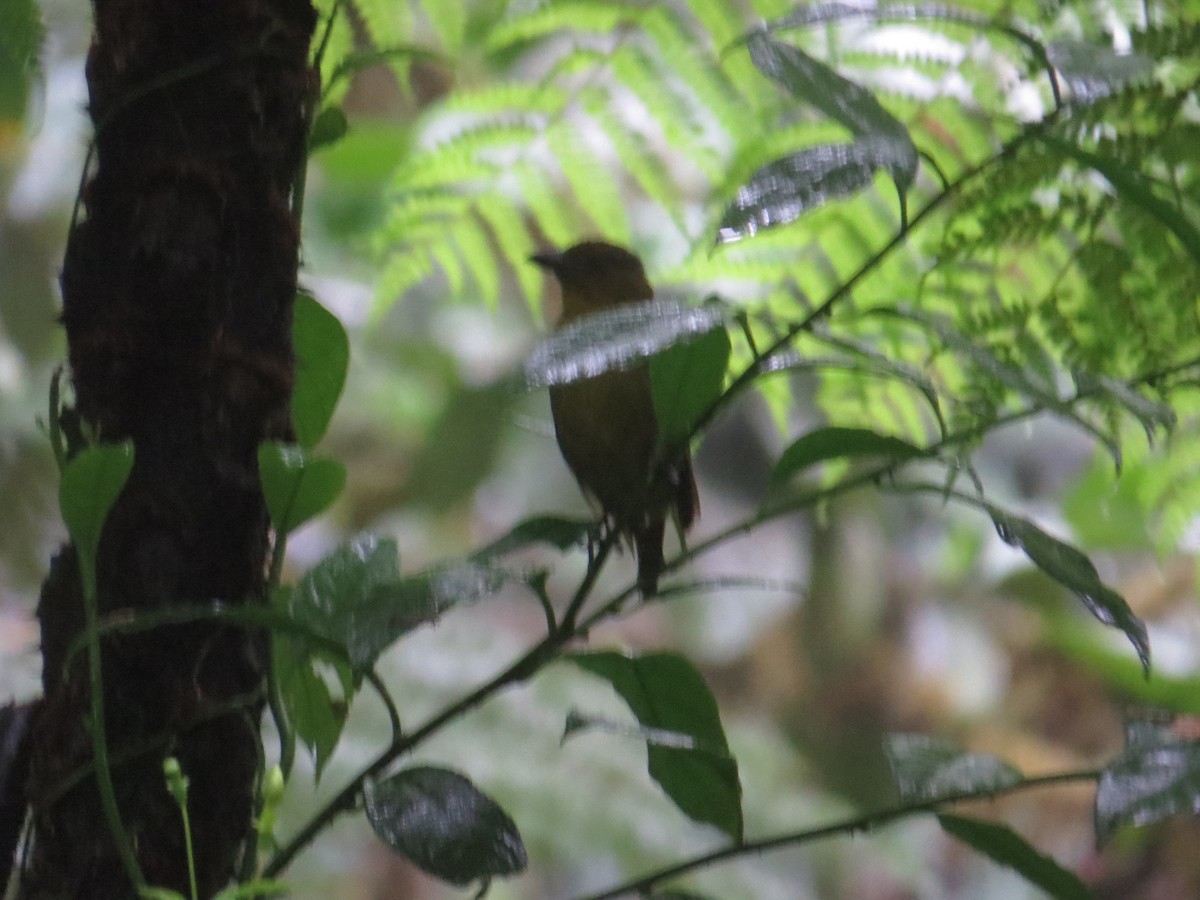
x=648 y=539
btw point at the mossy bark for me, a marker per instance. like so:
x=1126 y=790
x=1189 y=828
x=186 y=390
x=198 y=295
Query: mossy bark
x=177 y=297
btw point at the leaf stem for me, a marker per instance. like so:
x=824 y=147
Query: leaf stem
x=104 y=782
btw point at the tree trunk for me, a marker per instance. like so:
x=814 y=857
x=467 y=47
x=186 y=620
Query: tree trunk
x=177 y=295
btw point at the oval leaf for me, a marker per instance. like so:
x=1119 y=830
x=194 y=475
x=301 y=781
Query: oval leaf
x=329 y=128
x=1093 y=71
x=357 y=597
x=1002 y=845
x=834 y=443
x=842 y=100
x=617 y=338
x=669 y=696
x=322 y=357
x=560 y=533
x=91 y=483
x=445 y=825
x=926 y=768
x=1072 y=569
x=782 y=191
x=1148 y=782
x=296 y=484
x=685 y=380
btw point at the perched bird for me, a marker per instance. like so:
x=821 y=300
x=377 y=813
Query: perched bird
x=606 y=426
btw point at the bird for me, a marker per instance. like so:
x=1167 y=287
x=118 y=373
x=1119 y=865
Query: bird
x=606 y=426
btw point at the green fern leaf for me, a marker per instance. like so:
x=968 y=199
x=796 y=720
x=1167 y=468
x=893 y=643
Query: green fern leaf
x=591 y=183
x=593 y=16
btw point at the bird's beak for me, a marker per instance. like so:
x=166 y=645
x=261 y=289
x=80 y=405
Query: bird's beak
x=550 y=259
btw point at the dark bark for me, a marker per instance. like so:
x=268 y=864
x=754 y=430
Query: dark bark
x=177 y=295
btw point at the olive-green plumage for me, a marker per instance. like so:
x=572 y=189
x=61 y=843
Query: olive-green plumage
x=606 y=426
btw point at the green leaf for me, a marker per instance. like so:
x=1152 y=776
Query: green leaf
x=668 y=695
x=782 y=191
x=685 y=380
x=842 y=100
x=296 y=484
x=311 y=709
x=329 y=127
x=357 y=597
x=322 y=357
x=1034 y=382
x=445 y=825
x=251 y=890
x=926 y=768
x=834 y=442
x=1071 y=568
x=1151 y=780
x=91 y=483
x=578 y=16
x=562 y=534
x=1133 y=187
x=1093 y=71
x=365 y=59
x=1002 y=845
x=21 y=34
x=618 y=338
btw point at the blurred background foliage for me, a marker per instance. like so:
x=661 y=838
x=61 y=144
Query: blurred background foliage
x=477 y=133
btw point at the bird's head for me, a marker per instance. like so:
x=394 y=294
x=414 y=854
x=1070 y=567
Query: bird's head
x=595 y=275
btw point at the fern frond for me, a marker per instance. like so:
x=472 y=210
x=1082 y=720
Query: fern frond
x=510 y=233
x=401 y=272
x=591 y=183
x=547 y=207
x=579 y=17
x=670 y=106
x=448 y=20
x=690 y=57
x=634 y=154
x=475 y=248
x=387 y=23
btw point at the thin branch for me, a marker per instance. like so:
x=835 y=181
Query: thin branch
x=864 y=823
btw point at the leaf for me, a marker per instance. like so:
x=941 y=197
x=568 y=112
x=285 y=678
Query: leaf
x=1148 y=782
x=296 y=484
x=365 y=59
x=311 y=709
x=578 y=16
x=1133 y=187
x=782 y=191
x=615 y=339
x=834 y=442
x=667 y=695
x=685 y=380
x=91 y=483
x=322 y=352
x=261 y=887
x=21 y=34
x=357 y=597
x=1152 y=415
x=1093 y=71
x=1072 y=569
x=559 y=533
x=1002 y=845
x=926 y=768
x=842 y=100
x=445 y=825
x=1022 y=379
x=329 y=127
